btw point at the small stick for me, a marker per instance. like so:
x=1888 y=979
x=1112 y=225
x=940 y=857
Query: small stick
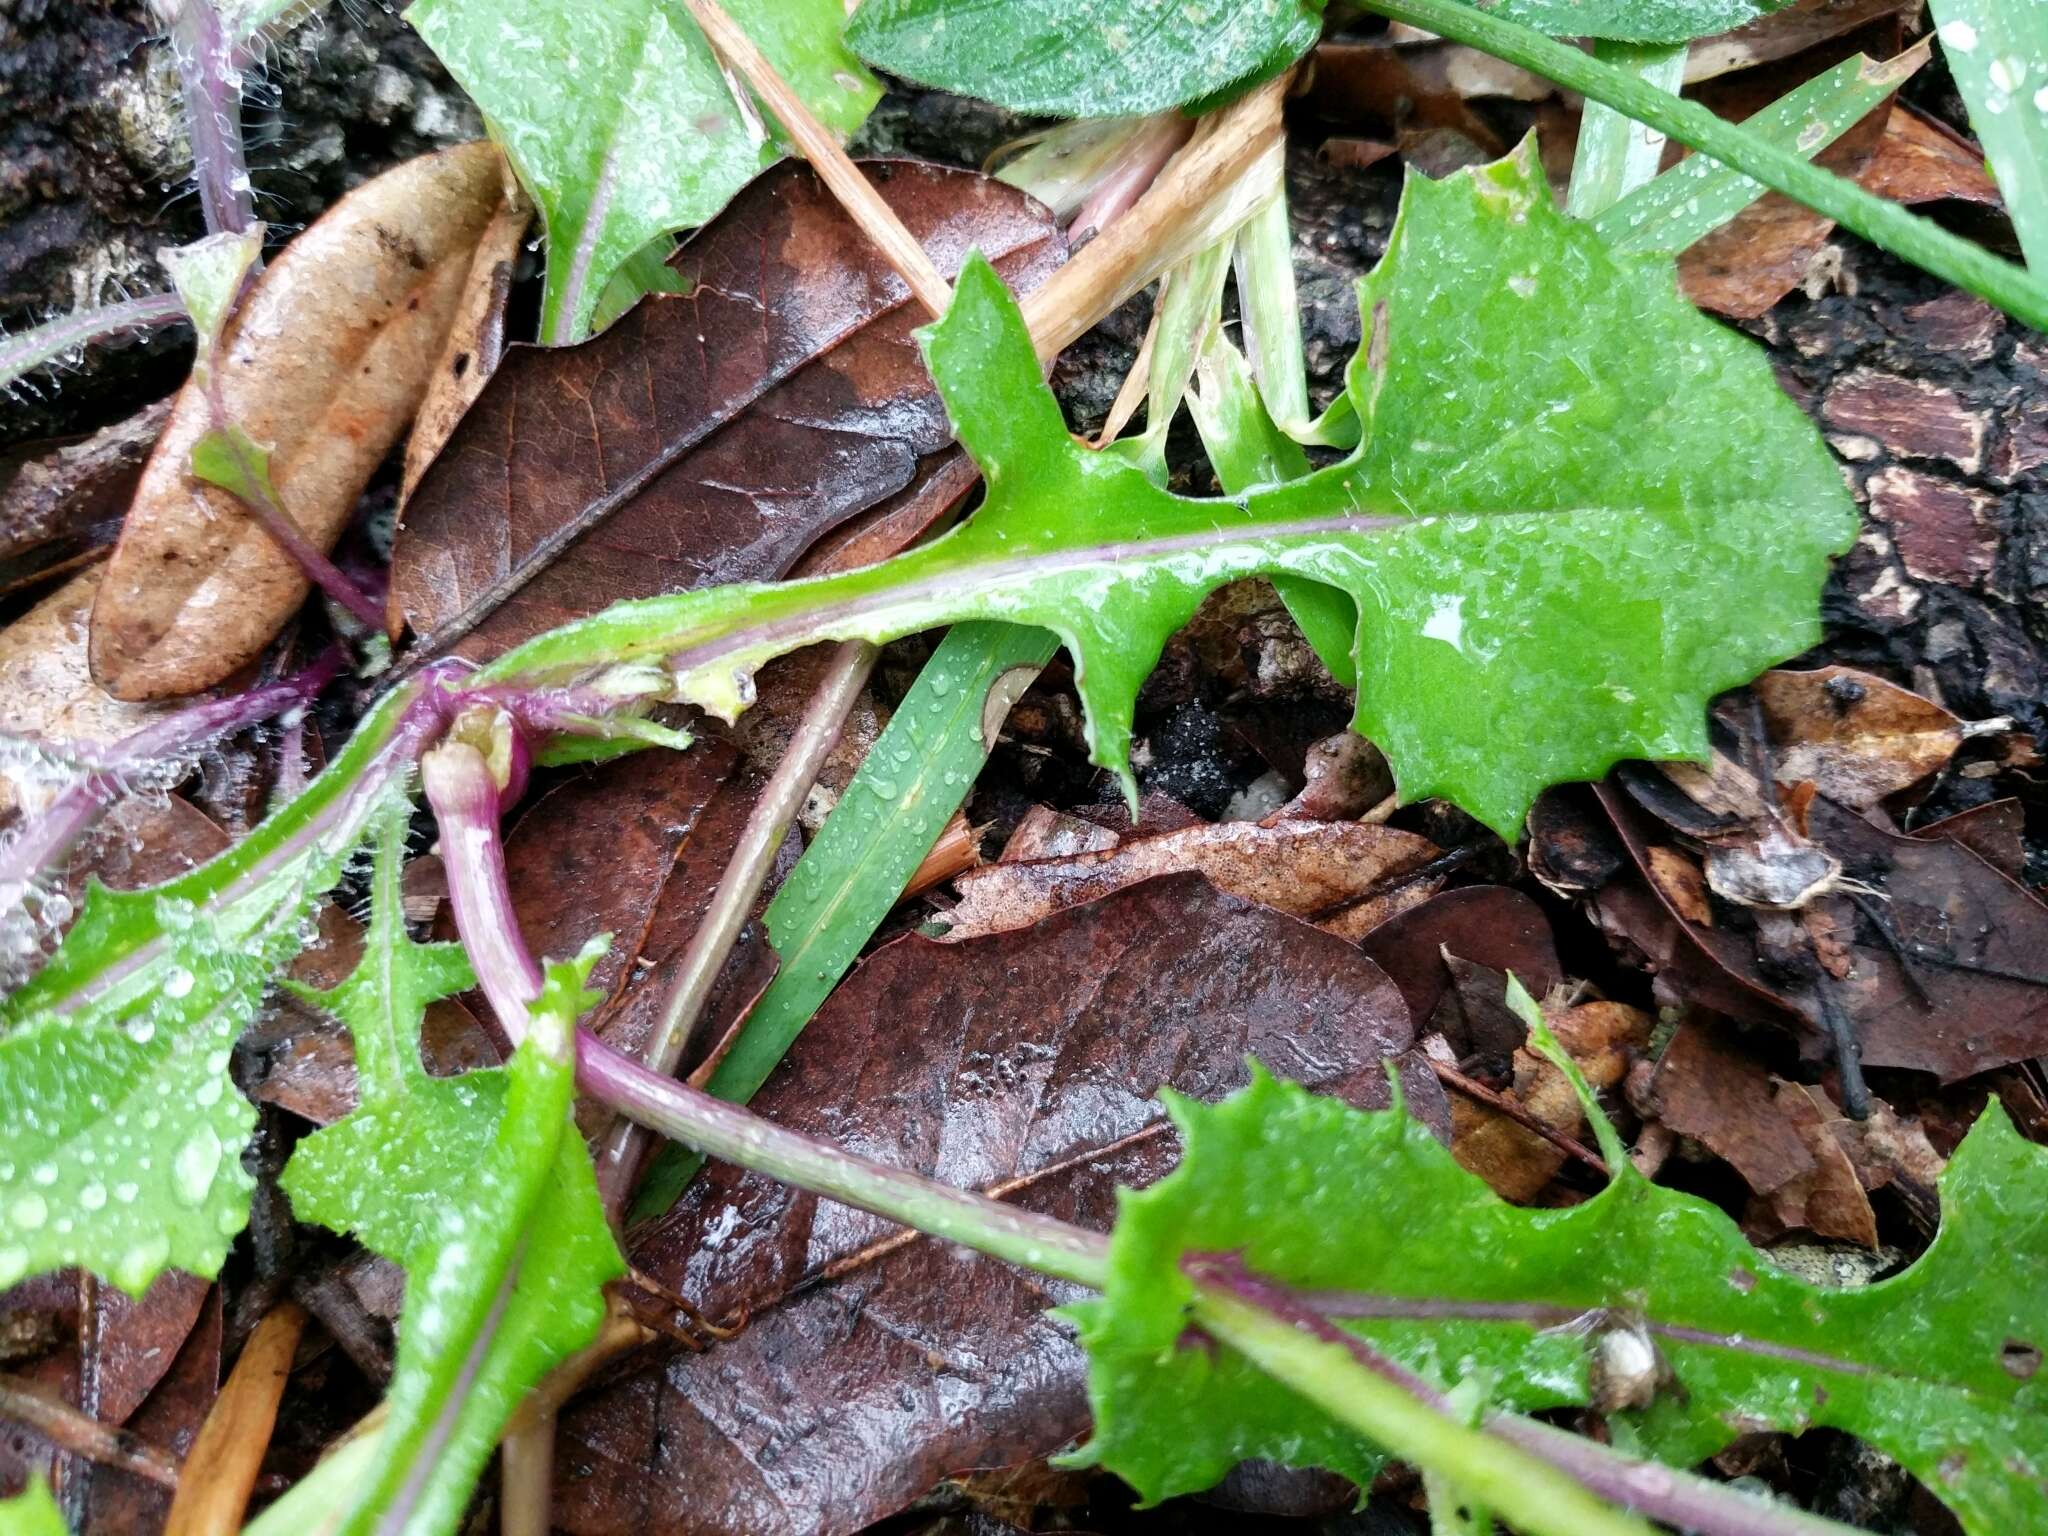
x=229 y=1451
x=816 y=734
x=1500 y=1103
x=840 y=174
x=80 y=1434
x=1145 y=241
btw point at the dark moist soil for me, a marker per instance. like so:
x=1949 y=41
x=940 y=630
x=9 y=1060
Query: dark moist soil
x=1935 y=404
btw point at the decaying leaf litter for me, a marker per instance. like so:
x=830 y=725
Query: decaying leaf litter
x=1108 y=837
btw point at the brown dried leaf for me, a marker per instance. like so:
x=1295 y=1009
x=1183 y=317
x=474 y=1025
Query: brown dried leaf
x=46 y=686
x=1782 y=34
x=1026 y=1060
x=1775 y=245
x=1720 y=1096
x=476 y=339
x=118 y=1503
x=1854 y=736
x=1829 y=1199
x=1311 y=870
x=326 y=361
x=1488 y=925
x=1944 y=952
x=671 y=821
x=709 y=436
x=1996 y=833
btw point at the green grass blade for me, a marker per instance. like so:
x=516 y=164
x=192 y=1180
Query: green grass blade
x=1617 y=155
x=914 y=778
x=1998 y=52
x=1699 y=194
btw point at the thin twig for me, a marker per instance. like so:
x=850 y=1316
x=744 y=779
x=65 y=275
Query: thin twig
x=1472 y=1088
x=738 y=887
x=82 y=1435
x=854 y=191
x=229 y=1451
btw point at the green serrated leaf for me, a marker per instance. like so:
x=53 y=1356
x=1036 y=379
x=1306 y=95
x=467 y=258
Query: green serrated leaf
x=233 y=460
x=479 y=1186
x=32 y=1512
x=1997 y=50
x=620 y=122
x=1084 y=58
x=1370 y=1212
x=1635 y=21
x=1558 y=549
x=120 y=1129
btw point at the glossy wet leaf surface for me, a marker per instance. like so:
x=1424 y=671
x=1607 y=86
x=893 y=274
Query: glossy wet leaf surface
x=480 y=1187
x=1009 y=1058
x=1083 y=58
x=1330 y=1200
x=1503 y=543
x=620 y=121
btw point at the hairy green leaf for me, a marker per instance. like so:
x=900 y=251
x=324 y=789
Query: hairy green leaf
x=479 y=1186
x=1084 y=58
x=620 y=121
x=120 y=1130
x=1700 y=194
x=1558 y=549
x=1371 y=1214
x=1635 y=21
x=1998 y=52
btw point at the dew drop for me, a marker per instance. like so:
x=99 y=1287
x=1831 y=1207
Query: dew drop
x=93 y=1196
x=178 y=983
x=1959 y=35
x=194 y=1166
x=30 y=1211
x=138 y=1266
x=13 y=1265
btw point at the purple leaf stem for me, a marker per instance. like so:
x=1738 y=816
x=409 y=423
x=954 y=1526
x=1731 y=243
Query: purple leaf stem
x=464 y=796
x=44 y=838
x=31 y=349
x=1664 y=1493
x=211 y=76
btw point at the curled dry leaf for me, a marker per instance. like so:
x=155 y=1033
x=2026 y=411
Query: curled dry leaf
x=708 y=436
x=1927 y=954
x=476 y=338
x=1855 y=737
x=1025 y=1062
x=325 y=362
x=1322 y=872
x=59 y=508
